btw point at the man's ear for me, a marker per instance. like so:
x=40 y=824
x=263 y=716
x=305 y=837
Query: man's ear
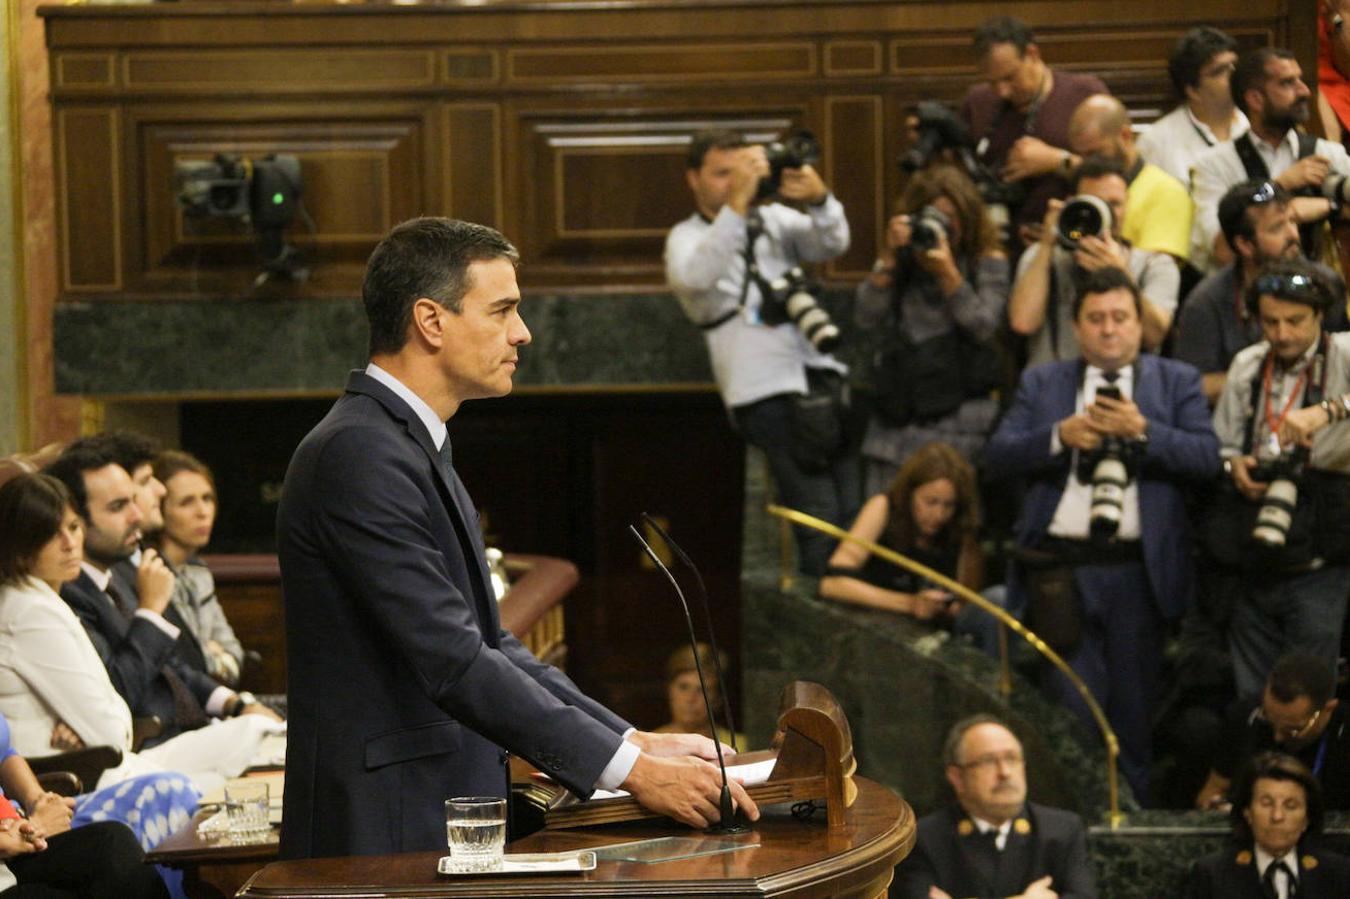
x=1242 y=247
x=691 y=178
x=1032 y=52
x=1330 y=707
x=954 y=778
x=426 y=322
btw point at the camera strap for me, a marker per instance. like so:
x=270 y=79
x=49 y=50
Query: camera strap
x=1315 y=376
x=754 y=227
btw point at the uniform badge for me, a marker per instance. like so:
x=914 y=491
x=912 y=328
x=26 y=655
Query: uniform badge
x=1022 y=826
x=1308 y=862
x=1244 y=858
x=965 y=828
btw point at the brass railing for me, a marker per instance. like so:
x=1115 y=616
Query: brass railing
x=1005 y=620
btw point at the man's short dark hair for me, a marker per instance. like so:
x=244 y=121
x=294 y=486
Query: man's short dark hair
x=951 y=747
x=1275 y=766
x=711 y=139
x=1192 y=53
x=1105 y=280
x=1235 y=218
x=1250 y=72
x=1292 y=280
x=424 y=257
x=70 y=466
x=127 y=448
x=1097 y=166
x=1302 y=674
x=1002 y=30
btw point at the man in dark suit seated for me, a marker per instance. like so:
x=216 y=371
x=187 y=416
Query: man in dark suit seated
x=128 y=628
x=1105 y=442
x=991 y=841
x=404 y=689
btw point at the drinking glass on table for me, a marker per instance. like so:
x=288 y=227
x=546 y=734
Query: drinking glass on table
x=247 y=801
x=475 y=829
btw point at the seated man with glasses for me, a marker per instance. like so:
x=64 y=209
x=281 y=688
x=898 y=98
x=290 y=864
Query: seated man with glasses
x=991 y=841
x=1281 y=520
x=1297 y=714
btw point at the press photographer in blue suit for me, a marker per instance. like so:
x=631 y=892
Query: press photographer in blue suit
x=1105 y=443
x=404 y=689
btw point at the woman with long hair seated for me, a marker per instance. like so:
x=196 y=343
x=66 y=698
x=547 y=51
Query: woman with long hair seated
x=189 y=507
x=53 y=686
x=935 y=298
x=931 y=514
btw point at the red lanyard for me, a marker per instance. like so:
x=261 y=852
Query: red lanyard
x=1289 y=403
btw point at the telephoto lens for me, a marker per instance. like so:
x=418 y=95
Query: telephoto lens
x=1281 y=499
x=1336 y=187
x=1109 y=479
x=1083 y=216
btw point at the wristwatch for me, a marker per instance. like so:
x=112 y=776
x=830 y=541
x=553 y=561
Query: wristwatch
x=245 y=699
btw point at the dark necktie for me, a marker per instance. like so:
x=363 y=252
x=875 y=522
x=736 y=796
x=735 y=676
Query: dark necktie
x=187 y=711
x=1268 y=881
x=447 y=460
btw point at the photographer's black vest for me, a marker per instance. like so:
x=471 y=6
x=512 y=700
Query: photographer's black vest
x=1309 y=234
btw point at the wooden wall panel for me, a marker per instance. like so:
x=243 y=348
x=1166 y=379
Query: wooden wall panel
x=563 y=124
x=88 y=156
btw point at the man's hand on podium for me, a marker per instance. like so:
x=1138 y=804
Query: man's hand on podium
x=686 y=789
x=674 y=745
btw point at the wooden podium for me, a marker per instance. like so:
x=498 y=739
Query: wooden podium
x=802 y=859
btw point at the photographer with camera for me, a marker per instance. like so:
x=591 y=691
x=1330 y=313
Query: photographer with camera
x=1285 y=441
x=1267 y=86
x=734 y=265
x=937 y=291
x=1104 y=441
x=1019 y=120
x=1078 y=237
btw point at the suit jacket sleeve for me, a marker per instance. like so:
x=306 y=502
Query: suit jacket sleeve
x=559 y=684
x=1076 y=880
x=1021 y=445
x=379 y=536
x=133 y=659
x=1186 y=446
x=915 y=875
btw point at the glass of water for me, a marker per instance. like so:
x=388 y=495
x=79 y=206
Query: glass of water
x=475 y=828
x=247 y=804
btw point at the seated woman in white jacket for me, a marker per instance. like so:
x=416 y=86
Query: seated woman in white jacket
x=54 y=688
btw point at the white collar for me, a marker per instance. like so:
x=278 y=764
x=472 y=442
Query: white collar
x=1264 y=860
x=100 y=578
x=1290 y=139
x=984 y=826
x=1236 y=128
x=435 y=427
x=1124 y=373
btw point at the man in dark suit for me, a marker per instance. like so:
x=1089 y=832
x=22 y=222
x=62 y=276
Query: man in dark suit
x=991 y=841
x=1128 y=579
x=128 y=626
x=404 y=690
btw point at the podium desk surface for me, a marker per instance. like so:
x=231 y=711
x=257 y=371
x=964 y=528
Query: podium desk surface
x=794 y=858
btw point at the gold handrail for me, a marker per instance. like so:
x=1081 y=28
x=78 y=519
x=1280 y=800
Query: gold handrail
x=1114 y=815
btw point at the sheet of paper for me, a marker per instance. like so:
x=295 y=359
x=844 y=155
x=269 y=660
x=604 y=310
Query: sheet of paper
x=751 y=774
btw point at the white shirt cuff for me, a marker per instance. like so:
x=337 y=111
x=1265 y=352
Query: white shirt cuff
x=619 y=767
x=1056 y=445
x=215 y=703
x=158 y=621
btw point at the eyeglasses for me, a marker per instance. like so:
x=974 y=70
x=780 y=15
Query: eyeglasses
x=1289 y=733
x=1290 y=287
x=994 y=760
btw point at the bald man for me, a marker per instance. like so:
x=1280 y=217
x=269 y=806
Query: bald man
x=1158 y=209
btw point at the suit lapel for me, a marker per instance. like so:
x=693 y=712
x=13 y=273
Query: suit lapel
x=979 y=856
x=1018 y=857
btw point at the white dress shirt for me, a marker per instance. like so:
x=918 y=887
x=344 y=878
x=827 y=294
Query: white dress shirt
x=1001 y=830
x=1264 y=860
x=1174 y=142
x=1072 y=515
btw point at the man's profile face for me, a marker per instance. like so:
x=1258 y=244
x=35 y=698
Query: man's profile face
x=114 y=526
x=481 y=342
x=990 y=777
x=1275 y=237
x=149 y=494
x=1211 y=90
x=1295 y=724
x=1284 y=95
x=1108 y=329
x=1015 y=77
x=1290 y=327
x=1111 y=190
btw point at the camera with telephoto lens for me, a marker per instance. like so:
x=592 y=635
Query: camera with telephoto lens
x=792 y=152
x=792 y=297
x=1111 y=471
x=1281 y=475
x=930 y=227
x=1083 y=216
x=1336 y=187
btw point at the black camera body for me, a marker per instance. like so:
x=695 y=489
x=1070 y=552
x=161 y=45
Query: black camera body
x=792 y=152
x=930 y=227
x=1282 y=477
x=792 y=298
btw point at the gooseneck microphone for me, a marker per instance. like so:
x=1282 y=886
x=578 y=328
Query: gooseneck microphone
x=707 y=618
x=729 y=822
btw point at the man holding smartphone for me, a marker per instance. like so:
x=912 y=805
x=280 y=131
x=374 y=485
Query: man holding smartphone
x=1117 y=586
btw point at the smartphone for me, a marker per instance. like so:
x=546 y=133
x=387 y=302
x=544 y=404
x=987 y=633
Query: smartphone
x=1109 y=390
